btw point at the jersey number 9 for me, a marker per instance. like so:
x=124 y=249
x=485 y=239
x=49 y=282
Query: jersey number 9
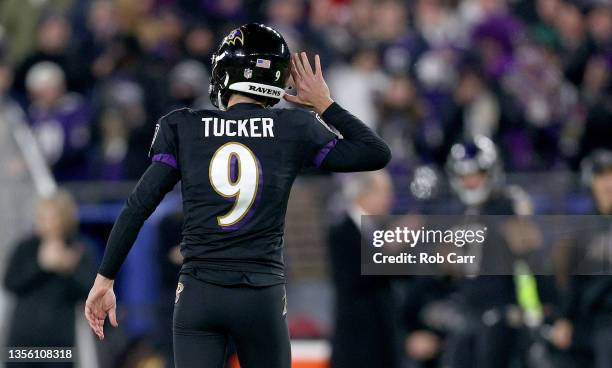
x=234 y=172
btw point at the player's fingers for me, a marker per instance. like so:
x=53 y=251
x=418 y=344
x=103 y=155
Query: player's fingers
x=296 y=100
x=100 y=329
x=294 y=74
x=291 y=98
x=94 y=330
x=304 y=69
x=299 y=67
x=306 y=64
x=293 y=67
x=112 y=316
x=318 y=69
x=88 y=315
x=91 y=324
x=94 y=326
x=98 y=333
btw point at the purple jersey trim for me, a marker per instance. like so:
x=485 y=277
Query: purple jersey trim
x=318 y=160
x=166 y=158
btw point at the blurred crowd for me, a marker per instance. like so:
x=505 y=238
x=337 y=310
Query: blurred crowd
x=533 y=78
x=93 y=76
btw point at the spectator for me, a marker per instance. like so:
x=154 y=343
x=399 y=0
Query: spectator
x=102 y=26
x=473 y=111
x=439 y=25
x=199 y=43
x=164 y=39
x=53 y=45
x=365 y=332
x=596 y=80
x=60 y=120
x=405 y=129
x=110 y=154
x=358 y=84
x=286 y=15
x=188 y=81
x=570 y=24
x=548 y=102
x=121 y=151
x=52 y=269
x=599 y=114
x=21 y=22
x=134 y=87
x=586 y=309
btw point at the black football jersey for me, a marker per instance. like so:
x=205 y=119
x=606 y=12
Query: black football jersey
x=237 y=168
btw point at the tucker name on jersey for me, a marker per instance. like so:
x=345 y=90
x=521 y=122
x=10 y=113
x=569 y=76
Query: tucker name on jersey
x=253 y=127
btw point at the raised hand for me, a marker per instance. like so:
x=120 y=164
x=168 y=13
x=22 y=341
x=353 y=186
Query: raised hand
x=100 y=303
x=311 y=89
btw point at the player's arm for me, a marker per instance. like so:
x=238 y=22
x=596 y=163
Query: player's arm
x=159 y=178
x=359 y=149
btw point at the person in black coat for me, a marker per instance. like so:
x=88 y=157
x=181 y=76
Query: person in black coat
x=365 y=331
x=49 y=272
x=585 y=321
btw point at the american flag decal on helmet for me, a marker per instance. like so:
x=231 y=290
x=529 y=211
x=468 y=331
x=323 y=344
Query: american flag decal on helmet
x=263 y=63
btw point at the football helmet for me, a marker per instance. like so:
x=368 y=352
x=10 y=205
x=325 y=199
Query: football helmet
x=253 y=59
x=479 y=155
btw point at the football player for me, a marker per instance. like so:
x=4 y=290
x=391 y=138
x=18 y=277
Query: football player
x=488 y=338
x=236 y=166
